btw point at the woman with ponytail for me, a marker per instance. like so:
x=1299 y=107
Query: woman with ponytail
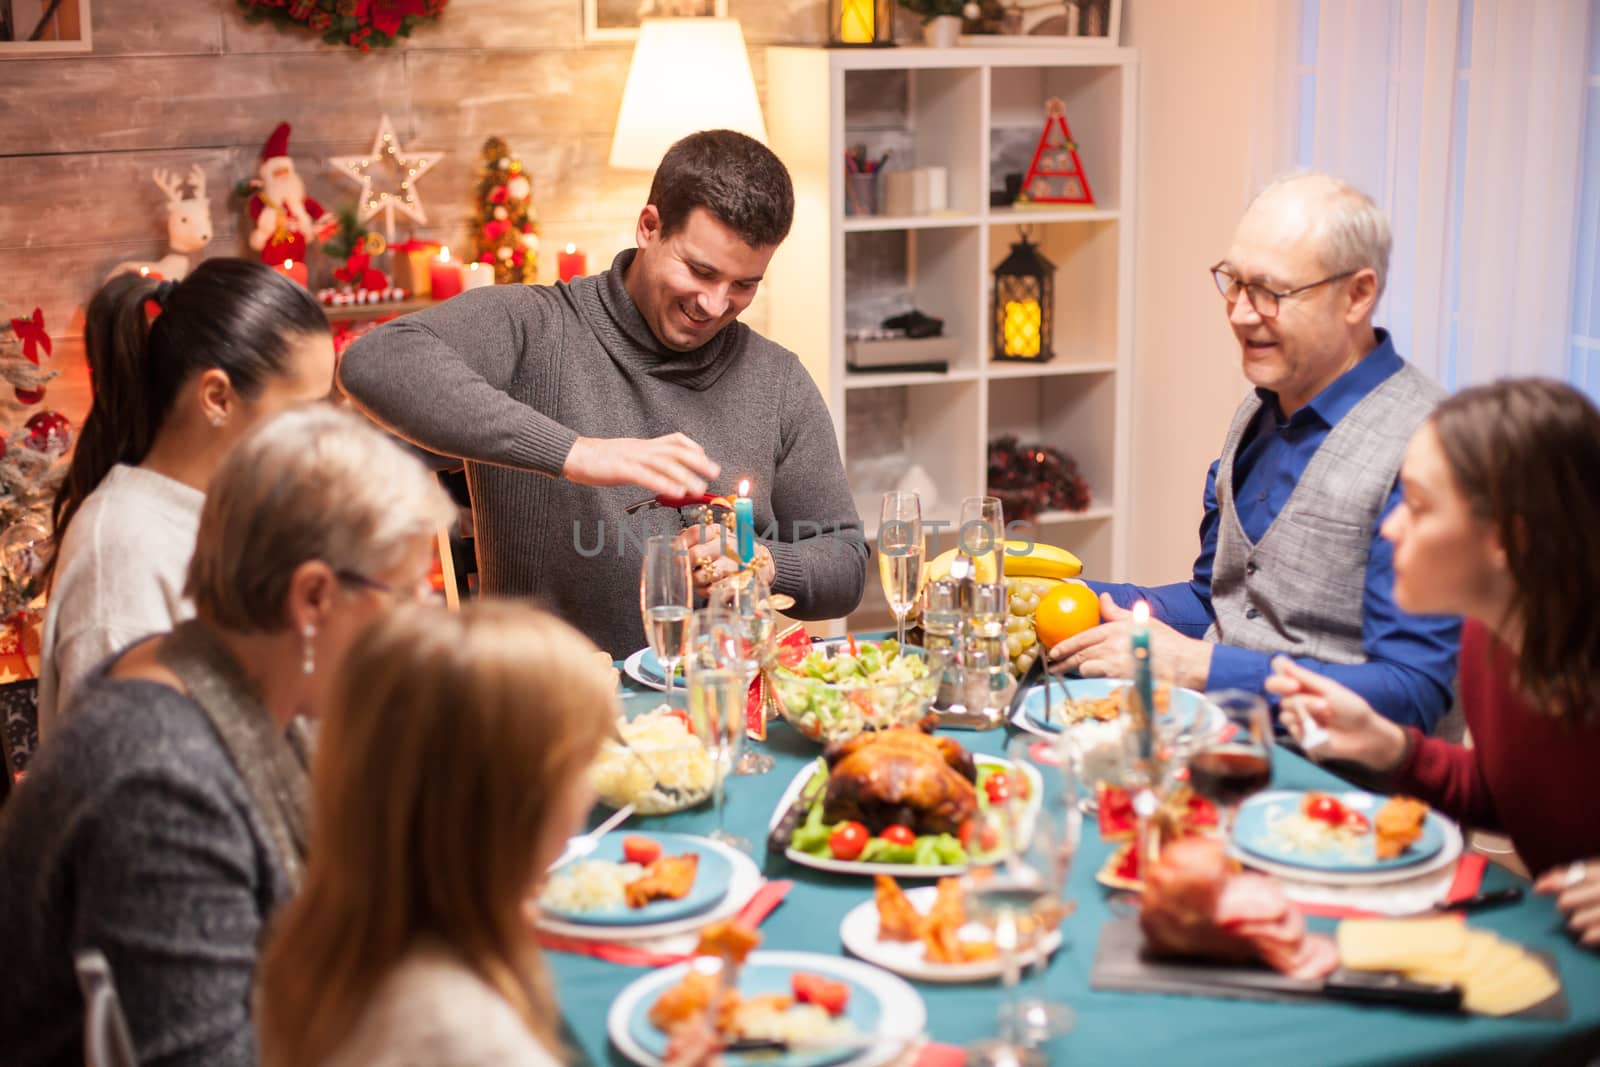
x=181 y=370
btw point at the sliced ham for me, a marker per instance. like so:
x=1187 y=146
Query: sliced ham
x=1250 y=898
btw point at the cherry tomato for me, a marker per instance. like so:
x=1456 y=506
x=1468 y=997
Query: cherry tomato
x=640 y=850
x=988 y=836
x=681 y=715
x=1356 y=822
x=998 y=786
x=1323 y=808
x=847 y=841
x=899 y=835
x=832 y=997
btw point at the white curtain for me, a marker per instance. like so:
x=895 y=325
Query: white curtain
x=1463 y=119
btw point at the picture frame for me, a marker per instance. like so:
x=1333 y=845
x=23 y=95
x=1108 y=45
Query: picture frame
x=618 y=20
x=1032 y=23
x=63 y=26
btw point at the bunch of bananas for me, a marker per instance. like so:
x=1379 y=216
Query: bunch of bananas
x=1032 y=570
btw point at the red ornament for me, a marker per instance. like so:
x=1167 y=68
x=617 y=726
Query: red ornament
x=29 y=396
x=1056 y=175
x=49 y=432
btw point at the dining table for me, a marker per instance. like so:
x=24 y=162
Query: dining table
x=1111 y=1027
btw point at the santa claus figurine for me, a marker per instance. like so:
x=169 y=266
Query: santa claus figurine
x=285 y=218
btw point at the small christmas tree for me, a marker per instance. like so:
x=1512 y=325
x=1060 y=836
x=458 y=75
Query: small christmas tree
x=508 y=227
x=34 y=464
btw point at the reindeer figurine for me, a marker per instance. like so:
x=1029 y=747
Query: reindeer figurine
x=188 y=225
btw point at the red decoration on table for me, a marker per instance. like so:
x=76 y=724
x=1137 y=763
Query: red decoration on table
x=33 y=335
x=1056 y=174
x=284 y=217
x=570 y=263
x=296 y=271
x=444 y=276
x=357 y=271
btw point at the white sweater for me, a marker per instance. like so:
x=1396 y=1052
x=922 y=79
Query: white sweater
x=119 y=577
x=431 y=1011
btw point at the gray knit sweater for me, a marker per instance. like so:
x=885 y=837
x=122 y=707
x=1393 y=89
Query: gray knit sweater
x=133 y=834
x=507 y=377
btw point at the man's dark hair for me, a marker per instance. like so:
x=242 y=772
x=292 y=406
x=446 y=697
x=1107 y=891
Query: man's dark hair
x=736 y=178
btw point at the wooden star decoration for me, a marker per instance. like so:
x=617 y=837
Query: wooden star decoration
x=409 y=166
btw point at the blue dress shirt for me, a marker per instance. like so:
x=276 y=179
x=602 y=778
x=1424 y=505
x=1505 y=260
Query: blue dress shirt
x=1411 y=659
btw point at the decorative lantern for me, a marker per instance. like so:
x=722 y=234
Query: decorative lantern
x=1024 y=302
x=861 y=23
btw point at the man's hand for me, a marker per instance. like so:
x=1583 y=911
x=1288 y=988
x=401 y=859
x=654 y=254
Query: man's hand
x=667 y=466
x=1352 y=730
x=1576 y=888
x=1106 y=651
x=713 y=555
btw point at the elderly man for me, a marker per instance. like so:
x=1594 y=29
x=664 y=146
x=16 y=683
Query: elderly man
x=564 y=400
x=1291 y=560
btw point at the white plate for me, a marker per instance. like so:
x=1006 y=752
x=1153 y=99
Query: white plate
x=1092 y=688
x=1447 y=854
x=745 y=880
x=902 y=1017
x=631 y=667
x=859 y=932
x=901 y=870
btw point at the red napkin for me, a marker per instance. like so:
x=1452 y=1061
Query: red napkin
x=1469 y=877
x=933 y=1055
x=755 y=911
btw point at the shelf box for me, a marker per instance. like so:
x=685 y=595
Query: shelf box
x=902 y=354
x=922 y=118
x=1085 y=314
x=888 y=430
x=887 y=273
x=1075 y=414
x=1093 y=99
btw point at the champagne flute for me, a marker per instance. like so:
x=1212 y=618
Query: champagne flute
x=983 y=533
x=666 y=596
x=1235 y=760
x=900 y=551
x=716 y=679
x=745 y=595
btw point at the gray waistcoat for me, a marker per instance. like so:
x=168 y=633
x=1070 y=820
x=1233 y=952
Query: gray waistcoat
x=1299 y=589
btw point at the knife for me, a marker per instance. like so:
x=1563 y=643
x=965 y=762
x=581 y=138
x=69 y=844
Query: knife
x=784 y=826
x=1029 y=676
x=856 y=1043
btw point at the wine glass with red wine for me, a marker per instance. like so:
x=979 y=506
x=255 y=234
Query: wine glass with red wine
x=1233 y=761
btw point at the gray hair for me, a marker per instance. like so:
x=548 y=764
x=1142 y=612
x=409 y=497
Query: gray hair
x=1353 y=231
x=311 y=483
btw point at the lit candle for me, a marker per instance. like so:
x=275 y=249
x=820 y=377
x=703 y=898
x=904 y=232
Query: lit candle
x=745 y=522
x=569 y=263
x=476 y=275
x=1144 y=691
x=855 y=22
x=294 y=271
x=1022 y=323
x=444 y=277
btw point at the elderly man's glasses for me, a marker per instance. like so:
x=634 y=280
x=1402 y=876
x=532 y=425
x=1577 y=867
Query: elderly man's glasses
x=1264 y=300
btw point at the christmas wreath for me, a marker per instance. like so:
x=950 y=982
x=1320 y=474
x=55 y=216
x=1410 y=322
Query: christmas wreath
x=1029 y=479
x=357 y=23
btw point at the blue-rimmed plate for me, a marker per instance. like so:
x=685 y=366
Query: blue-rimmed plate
x=644 y=668
x=1258 y=832
x=1189 y=709
x=711 y=880
x=880 y=1005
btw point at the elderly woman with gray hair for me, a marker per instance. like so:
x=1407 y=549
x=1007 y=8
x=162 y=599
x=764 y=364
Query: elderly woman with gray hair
x=166 y=819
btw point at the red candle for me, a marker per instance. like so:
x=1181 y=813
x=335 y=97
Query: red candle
x=295 y=271
x=569 y=263
x=444 y=276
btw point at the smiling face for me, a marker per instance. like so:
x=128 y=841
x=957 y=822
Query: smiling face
x=1316 y=335
x=691 y=283
x=1447 y=560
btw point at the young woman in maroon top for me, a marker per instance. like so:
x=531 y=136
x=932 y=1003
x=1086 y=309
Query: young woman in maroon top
x=1498 y=525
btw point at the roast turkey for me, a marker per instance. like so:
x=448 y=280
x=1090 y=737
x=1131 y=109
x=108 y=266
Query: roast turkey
x=903 y=777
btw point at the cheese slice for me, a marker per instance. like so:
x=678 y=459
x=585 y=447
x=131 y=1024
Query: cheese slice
x=1399 y=944
x=1511 y=989
x=1482 y=954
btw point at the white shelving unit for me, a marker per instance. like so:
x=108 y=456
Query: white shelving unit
x=957 y=108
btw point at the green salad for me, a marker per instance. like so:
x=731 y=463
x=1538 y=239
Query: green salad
x=840 y=691
x=852 y=842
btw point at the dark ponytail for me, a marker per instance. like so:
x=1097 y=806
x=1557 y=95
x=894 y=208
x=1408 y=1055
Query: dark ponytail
x=237 y=316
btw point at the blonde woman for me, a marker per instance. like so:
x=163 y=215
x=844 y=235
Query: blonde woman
x=165 y=820
x=449 y=774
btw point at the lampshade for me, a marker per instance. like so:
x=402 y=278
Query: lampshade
x=687 y=75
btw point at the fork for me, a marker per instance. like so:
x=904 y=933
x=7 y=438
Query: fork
x=673 y=793
x=585 y=844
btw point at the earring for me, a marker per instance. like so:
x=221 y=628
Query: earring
x=309 y=662
x=217 y=420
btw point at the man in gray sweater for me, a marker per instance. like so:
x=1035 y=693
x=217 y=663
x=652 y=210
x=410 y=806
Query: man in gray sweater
x=566 y=400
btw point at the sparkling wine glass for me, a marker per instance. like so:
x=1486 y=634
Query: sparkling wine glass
x=982 y=534
x=900 y=552
x=715 y=674
x=1232 y=762
x=745 y=595
x=666 y=596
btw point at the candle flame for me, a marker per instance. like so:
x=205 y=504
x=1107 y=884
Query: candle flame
x=144 y=272
x=288 y=265
x=1141 y=613
x=744 y=487
x=444 y=254
x=571 y=248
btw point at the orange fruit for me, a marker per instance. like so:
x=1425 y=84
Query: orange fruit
x=1067 y=609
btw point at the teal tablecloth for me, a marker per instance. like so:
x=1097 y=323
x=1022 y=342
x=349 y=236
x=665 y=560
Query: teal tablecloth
x=1122 y=1028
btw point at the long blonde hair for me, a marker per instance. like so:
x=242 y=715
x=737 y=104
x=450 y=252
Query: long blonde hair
x=437 y=769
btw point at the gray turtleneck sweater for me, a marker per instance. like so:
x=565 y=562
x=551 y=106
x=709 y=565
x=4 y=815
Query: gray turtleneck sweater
x=507 y=377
